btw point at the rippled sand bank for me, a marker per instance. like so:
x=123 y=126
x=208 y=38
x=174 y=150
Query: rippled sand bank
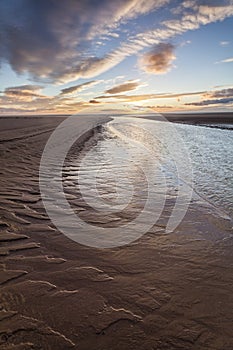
x=161 y=292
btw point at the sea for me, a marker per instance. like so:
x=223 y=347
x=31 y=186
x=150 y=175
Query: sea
x=134 y=165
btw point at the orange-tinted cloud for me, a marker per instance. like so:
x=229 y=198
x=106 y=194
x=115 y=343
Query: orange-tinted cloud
x=135 y=98
x=128 y=86
x=24 y=92
x=159 y=59
x=77 y=88
x=224 y=96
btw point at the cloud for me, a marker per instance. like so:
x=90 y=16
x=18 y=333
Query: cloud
x=12 y=110
x=159 y=59
x=24 y=88
x=197 y=16
x=128 y=86
x=50 y=39
x=211 y=102
x=56 y=41
x=94 y=101
x=224 y=43
x=223 y=96
x=186 y=42
x=227 y=60
x=114 y=35
x=28 y=99
x=77 y=88
x=161 y=108
x=24 y=92
x=220 y=93
x=144 y=97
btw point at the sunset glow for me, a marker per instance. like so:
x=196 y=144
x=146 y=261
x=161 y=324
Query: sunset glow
x=115 y=56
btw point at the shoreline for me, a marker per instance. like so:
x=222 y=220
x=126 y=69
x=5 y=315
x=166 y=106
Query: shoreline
x=167 y=291
x=192 y=117
x=210 y=120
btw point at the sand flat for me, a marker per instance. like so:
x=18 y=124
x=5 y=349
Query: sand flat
x=162 y=292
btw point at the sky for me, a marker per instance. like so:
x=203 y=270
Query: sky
x=115 y=56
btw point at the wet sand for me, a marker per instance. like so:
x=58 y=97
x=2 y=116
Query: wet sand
x=163 y=292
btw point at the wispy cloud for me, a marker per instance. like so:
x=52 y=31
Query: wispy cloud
x=50 y=40
x=127 y=86
x=29 y=99
x=144 y=97
x=61 y=41
x=224 y=43
x=211 y=102
x=227 y=60
x=223 y=96
x=220 y=93
x=78 y=88
x=23 y=92
x=57 y=43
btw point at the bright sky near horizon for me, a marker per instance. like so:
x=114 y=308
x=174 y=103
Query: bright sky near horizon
x=115 y=56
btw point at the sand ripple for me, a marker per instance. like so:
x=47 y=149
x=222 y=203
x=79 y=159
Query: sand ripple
x=163 y=292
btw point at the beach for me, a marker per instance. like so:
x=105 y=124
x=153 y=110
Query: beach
x=163 y=291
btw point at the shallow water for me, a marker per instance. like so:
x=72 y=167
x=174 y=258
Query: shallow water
x=138 y=165
x=211 y=152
